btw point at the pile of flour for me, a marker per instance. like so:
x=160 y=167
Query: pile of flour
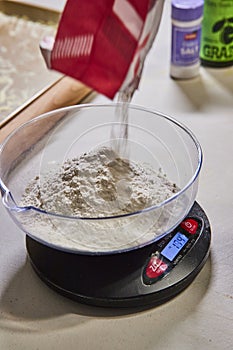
x=98 y=184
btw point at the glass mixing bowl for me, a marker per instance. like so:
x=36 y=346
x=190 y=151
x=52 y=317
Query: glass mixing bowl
x=46 y=142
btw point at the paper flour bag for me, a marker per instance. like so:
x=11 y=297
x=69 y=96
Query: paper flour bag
x=103 y=43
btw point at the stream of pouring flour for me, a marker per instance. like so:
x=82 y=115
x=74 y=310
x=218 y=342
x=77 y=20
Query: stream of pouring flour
x=119 y=132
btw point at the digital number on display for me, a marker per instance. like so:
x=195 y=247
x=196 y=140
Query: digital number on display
x=175 y=245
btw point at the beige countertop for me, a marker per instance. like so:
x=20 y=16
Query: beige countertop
x=34 y=317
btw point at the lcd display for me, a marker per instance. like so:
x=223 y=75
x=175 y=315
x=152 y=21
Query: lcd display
x=174 y=246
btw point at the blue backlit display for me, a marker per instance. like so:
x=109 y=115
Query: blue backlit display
x=174 y=246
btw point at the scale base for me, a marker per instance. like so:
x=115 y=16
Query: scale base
x=116 y=280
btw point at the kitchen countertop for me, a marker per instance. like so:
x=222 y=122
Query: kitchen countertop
x=34 y=317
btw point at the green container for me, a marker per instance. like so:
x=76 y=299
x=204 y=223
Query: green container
x=217 y=33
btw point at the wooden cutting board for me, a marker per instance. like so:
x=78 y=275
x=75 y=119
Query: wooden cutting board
x=65 y=92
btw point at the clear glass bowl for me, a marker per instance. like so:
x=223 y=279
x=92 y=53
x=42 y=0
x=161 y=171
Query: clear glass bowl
x=48 y=140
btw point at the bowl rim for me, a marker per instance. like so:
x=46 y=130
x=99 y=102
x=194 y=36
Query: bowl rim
x=6 y=193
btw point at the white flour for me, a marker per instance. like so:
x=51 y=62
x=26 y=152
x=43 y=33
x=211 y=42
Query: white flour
x=98 y=184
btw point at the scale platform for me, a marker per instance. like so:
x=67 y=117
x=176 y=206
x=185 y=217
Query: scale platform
x=146 y=276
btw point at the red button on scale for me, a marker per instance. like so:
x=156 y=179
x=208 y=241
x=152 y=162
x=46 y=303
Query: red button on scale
x=190 y=225
x=155 y=267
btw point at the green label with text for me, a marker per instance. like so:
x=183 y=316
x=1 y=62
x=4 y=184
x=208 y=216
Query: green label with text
x=217 y=31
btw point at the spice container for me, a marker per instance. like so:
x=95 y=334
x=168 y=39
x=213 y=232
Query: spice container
x=217 y=34
x=186 y=35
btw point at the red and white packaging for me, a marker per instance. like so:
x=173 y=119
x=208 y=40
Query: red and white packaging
x=103 y=43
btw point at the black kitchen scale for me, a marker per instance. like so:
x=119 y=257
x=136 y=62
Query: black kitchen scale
x=149 y=275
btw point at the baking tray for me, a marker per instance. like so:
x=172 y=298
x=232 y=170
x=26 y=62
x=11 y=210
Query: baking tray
x=23 y=73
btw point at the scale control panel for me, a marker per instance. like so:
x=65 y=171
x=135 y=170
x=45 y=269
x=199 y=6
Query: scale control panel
x=171 y=249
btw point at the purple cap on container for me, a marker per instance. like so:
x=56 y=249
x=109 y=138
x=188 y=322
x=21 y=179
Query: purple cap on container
x=187 y=10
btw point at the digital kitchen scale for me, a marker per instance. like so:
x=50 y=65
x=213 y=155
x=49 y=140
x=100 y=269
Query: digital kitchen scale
x=149 y=275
